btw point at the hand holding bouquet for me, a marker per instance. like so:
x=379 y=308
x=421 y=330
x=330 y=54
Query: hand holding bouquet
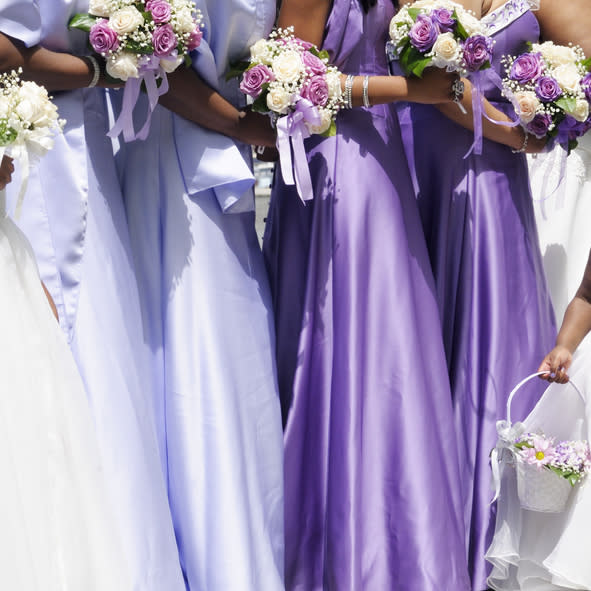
x=141 y=41
x=28 y=123
x=550 y=88
x=292 y=81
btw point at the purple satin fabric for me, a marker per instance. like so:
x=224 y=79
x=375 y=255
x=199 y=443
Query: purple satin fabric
x=372 y=478
x=497 y=317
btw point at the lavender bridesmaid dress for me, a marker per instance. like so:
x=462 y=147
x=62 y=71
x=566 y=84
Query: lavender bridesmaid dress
x=372 y=478
x=497 y=317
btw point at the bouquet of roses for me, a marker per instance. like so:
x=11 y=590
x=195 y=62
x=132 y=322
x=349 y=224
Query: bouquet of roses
x=568 y=459
x=293 y=82
x=550 y=88
x=141 y=41
x=28 y=123
x=438 y=33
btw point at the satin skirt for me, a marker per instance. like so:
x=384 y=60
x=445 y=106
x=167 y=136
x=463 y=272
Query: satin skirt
x=59 y=528
x=207 y=311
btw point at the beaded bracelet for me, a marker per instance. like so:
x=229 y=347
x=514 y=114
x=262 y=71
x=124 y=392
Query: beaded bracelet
x=524 y=145
x=366 y=102
x=349 y=91
x=96 y=71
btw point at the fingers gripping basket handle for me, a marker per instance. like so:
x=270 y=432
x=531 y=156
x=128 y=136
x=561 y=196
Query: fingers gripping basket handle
x=527 y=379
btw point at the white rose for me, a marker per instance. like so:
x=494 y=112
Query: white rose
x=446 y=50
x=471 y=24
x=126 y=20
x=39 y=142
x=170 y=65
x=183 y=19
x=527 y=104
x=325 y=121
x=556 y=55
x=278 y=100
x=288 y=66
x=4 y=107
x=333 y=82
x=123 y=66
x=568 y=77
x=99 y=8
x=34 y=105
x=260 y=52
x=581 y=110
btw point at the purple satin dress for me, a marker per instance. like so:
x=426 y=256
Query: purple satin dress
x=497 y=317
x=372 y=478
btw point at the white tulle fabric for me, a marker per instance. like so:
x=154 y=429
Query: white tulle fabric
x=562 y=195
x=57 y=531
x=534 y=551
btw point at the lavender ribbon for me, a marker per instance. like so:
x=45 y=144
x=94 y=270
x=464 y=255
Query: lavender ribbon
x=150 y=71
x=291 y=133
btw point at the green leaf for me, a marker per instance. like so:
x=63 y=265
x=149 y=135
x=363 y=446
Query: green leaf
x=460 y=30
x=135 y=47
x=567 y=103
x=237 y=69
x=331 y=131
x=82 y=22
x=586 y=63
x=260 y=103
x=419 y=66
x=414 y=12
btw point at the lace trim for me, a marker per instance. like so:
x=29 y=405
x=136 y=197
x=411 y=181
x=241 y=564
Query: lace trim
x=504 y=15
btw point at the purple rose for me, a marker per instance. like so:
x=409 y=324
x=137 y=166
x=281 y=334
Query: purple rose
x=540 y=124
x=313 y=64
x=164 y=41
x=195 y=39
x=160 y=9
x=316 y=91
x=102 y=38
x=547 y=89
x=254 y=78
x=477 y=51
x=527 y=67
x=423 y=33
x=444 y=19
x=586 y=85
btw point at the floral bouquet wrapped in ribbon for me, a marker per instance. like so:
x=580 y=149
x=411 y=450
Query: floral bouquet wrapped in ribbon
x=550 y=88
x=441 y=34
x=28 y=124
x=548 y=470
x=141 y=41
x=292 y=81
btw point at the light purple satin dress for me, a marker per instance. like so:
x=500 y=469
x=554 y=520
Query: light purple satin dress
x=73 y=215
x=371 y=472
x=498 y=323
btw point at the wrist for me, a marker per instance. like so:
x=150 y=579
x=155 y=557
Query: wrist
x=520 y=145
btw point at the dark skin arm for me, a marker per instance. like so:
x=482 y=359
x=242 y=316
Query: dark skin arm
x=566 y=22
x=575 y=327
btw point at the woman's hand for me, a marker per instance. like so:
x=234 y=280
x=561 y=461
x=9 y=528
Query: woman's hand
x=556 y=364
x=6 y=170
x=435 y=87
x=255 y=129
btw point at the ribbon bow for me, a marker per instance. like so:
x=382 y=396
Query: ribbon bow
x=507 y=435
x=291 y=133
x=150 y=70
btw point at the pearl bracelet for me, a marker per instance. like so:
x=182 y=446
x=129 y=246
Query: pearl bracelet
x=96 y=71
x=524 y=145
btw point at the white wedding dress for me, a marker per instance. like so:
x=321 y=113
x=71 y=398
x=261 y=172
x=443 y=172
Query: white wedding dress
x=534 y=551
x=57 y=532
x=562 y=201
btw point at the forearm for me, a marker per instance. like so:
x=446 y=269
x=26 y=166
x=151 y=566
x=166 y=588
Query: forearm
x=55 y=71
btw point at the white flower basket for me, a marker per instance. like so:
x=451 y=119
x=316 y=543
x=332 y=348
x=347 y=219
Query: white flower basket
x=538 y=488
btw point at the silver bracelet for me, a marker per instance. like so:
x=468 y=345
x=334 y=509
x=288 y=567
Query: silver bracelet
x=524 y=145
x=366 y=102
x=96 y=71
x=349 y=91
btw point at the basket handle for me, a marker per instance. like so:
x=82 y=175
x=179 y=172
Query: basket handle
x=527 y=379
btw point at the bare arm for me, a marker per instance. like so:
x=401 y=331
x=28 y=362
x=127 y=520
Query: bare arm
x=575 y=327
x=308 y=17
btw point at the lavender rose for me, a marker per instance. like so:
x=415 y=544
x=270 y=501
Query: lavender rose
x=540 y=124
x=102 y=38
x=547 y=89
x=423 y=33
x=164 y=41
x=316 y=91
x=444 y=19
x=254 y=78
x=195 y=39
x=526 y=68
x=313 y=64
x=586 y=86
x=477 y=51
x=160 y=9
